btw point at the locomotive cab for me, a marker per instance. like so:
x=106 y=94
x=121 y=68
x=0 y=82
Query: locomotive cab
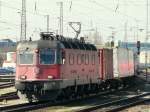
x=38 y=67
x=37 y=63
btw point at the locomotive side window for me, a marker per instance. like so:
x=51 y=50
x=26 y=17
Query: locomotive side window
x=79 y=59
x=82 y=58
x=25 y=58
x=47 y=56
x=71 y=59
x=93 y=59
x=86 y=59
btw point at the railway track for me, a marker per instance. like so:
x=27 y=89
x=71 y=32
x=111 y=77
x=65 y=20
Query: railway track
x=7 y=78
x=5 y=85
x=24 y=107
x=9 y=96
x=39 y=105
x=118 y=105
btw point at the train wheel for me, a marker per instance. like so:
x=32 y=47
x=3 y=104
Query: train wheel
x=102 y=86
x=30 y=100
x=86 y=90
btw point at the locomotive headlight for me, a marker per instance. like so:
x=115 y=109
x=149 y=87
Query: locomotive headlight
x=36 y=51
x=50 y=77
x=23 y=77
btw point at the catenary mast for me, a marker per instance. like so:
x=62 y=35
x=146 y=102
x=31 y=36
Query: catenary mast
x=23 y=21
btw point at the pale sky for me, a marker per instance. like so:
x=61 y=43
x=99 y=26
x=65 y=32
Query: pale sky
x=100 y=14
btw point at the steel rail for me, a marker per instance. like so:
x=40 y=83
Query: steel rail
x=9 y=96
x=23 y=107
x=117 y=105
x=7 y=78
x=131 y=104
x=5 y=85
x=38 y=105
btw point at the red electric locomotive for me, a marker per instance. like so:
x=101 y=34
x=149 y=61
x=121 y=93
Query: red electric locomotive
x=47 y=66
x=58 y=67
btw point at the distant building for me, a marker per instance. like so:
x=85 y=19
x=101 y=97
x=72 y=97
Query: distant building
x=133 y=46
x=144 y=48
x=6 y=43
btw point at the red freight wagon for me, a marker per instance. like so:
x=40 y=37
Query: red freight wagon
x=115 y=63
x=106 y=63
x=123 y=62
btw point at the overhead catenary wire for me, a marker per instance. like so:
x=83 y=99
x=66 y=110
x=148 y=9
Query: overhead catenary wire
x=117 y=6
x=42 y=14
x=85 y=14
x=0 y=8
x=112 y=10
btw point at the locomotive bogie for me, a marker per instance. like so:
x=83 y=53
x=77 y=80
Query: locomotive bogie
x=36 y=90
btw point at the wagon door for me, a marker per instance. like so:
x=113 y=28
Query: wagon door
x=115 y=63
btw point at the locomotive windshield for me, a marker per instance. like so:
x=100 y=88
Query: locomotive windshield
x=47 y=56
x=26 y=57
